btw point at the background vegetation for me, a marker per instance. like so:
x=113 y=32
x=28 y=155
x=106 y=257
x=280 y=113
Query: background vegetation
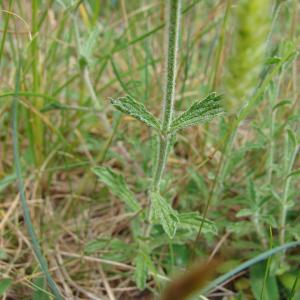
x=231 y=186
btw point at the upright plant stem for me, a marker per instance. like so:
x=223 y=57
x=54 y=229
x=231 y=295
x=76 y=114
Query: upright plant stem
x=216 y=69
x=173 y=21
x=5 y=30
x=36 y=125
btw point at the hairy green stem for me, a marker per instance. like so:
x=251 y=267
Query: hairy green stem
x=173 y=21
x=284 y=203
x=173 y=34
x=259 y=229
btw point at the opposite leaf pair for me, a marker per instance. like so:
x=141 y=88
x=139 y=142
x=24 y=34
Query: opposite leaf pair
x=200 y=112
x=161 y=211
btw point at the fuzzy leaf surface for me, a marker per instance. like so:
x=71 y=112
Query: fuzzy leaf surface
x=118 y=187
x=193 y=220
x=130 y=106
x=200 y=112
x=141 y=271
x=143 y=265
x=164 y=214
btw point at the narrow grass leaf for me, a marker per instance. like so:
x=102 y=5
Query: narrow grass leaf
x=263 y=256
x=6 y=181
x=130 y=106
x=272 y=60
x=282 y=103
x=292 y=138
x=34 y=240
x=53 y=106
x=40 y=293
x=118 y=186
x=294 y=173
x=193 y=220
x=164 y=214
x=200 y=112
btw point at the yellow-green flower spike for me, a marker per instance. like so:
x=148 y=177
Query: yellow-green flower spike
x=252 y=26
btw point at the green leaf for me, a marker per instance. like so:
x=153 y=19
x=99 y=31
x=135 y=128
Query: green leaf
x=289 y=51
x=67 y=3
x=290 y=280
x=118 y=187
x=244 y=213
x=251 y=193
x=3 y=254
x=200 y=112
x=113 y=244
x=88 y=45
x=6 y=181
x=273 y=60
x=54 y=105
x=200 y=183
x=282 y=103
x=292 y=138
x=130 y=106
x=261 y=257
x=110 y=248
x=141 y=271
x=95 y=245
x=193 y=220
x=164 y=214
x=40 y=293
x=4 y=285
x=294 y=173
x=263 y=287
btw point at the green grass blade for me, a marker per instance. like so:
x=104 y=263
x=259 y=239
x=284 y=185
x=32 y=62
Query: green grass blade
x=5 y=30
x=26 y=212
x=248 y=264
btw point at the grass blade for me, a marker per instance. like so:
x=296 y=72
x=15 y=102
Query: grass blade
x=248 y=264
x=27 y=218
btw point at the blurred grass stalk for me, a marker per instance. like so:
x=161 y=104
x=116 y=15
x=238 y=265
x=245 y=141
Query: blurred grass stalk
x=35 y=125
x=5 y=30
